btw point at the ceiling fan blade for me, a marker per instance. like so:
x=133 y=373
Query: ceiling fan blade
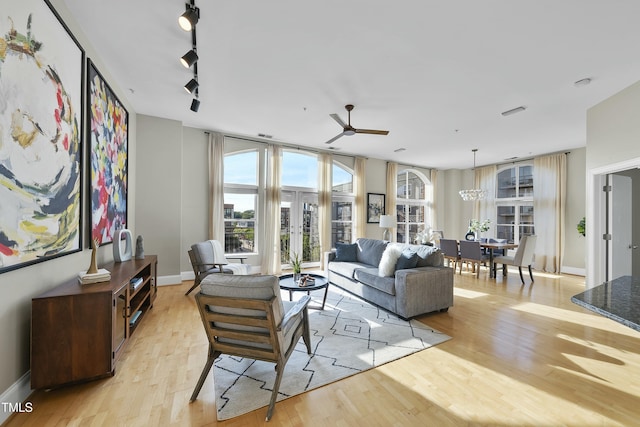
x=334 y=138
x=338 y=119
x=373 y=131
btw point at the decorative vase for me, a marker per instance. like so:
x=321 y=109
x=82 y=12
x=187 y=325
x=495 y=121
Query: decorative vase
x=120 y=253
x=296 y=277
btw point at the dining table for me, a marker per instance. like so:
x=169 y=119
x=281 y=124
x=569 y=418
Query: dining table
x=491 y=246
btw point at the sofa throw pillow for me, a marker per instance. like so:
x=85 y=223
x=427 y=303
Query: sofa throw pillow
x=346 y=252
x=407 y=259
x=388 y=261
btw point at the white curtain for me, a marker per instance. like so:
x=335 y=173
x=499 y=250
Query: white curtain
x=485 y=179
x=434 y=191
x=271 y=255
x=216 y=187
x=325 y=188
x=360 y=203
x=392 y=190
x=549 y=199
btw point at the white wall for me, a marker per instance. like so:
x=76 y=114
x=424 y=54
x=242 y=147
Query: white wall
x=159 y=201
x=613 y=132
x=575 y=253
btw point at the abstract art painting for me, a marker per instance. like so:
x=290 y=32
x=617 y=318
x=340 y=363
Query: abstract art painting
x=41 y=98
x=108 y=165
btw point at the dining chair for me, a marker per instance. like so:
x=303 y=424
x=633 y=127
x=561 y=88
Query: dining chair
x=449 y=248
x=498 y=252
x=523 y=257
x=437 y=236
x=471 y=253
x=245 y=316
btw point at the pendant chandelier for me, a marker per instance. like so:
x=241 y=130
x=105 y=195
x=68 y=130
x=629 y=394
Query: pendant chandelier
x=474 y=194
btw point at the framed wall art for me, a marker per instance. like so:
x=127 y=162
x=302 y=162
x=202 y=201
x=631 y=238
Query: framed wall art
x=375 y=207
x=108 y=163
x=41 y=100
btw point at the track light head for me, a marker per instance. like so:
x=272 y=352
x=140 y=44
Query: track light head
x=195 y=105
x=189 y=18
x=191 y=86
x=189 y=58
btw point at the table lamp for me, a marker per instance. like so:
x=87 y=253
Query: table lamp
x=387 y=222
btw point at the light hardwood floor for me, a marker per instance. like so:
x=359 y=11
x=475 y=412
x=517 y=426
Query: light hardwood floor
x=520 y=356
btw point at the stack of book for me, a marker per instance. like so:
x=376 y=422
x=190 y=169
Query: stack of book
x=101 y=276
x=134 y=317
x=135 y=283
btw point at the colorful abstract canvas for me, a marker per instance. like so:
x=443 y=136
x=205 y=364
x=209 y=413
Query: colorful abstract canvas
x=109 y=139
x=41 y=98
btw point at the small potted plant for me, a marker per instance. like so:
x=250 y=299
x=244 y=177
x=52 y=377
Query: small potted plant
x=296 y=264
x=582 y=226
x=477 y=227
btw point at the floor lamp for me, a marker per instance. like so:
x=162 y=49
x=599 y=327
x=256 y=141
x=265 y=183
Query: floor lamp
x=387 y=222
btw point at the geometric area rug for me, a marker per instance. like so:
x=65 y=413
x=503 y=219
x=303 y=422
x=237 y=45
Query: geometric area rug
x=348 y=337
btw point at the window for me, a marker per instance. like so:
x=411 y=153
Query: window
x=412 y=204
x=299 y=233
x=299 y=170
x=342 y=201
x=514 y=203
x=240 y=201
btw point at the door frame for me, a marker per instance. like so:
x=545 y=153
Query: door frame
x=597 y=219
x=296 y=197
x=620 y=223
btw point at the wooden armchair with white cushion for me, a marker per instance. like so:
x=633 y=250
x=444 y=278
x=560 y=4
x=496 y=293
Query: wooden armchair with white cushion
x=245 y=316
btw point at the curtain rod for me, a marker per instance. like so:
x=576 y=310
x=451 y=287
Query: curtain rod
x=529 y=158
x=284 y=144
x=412 y=166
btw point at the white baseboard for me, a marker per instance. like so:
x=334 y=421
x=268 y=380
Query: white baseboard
x=169 y=280
x=17 y=393
x=573 y=270
x=187 y=275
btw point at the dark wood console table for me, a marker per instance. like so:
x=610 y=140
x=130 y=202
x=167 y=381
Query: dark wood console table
x=618 y=300
x=79 y=331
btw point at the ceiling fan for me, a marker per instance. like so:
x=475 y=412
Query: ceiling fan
x=349 y=130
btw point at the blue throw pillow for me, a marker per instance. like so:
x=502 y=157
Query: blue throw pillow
x=346 y=252
x=408 y=259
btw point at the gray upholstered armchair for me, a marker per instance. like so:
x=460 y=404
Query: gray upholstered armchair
x=245 y=316
x=208 y=257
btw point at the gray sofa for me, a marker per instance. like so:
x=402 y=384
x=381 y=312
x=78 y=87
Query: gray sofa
x=419 y=284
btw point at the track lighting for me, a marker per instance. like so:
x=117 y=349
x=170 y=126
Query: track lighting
x=189 y=58
x=189 y=18
x=191 y=86
x=188 y=22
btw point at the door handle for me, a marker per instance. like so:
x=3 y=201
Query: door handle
x=633 y=246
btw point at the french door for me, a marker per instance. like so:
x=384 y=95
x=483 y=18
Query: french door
x=299 y=228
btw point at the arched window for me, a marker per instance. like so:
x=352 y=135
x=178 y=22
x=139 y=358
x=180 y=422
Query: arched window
x=299 y=169
x=514 y=202
x=413 y=204
x=342 y=201
x=240 y=201
x=299 y=220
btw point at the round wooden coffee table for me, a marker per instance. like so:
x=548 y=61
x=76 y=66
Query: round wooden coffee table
x=320 y=282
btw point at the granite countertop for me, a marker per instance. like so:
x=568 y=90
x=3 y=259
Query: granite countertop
x=618 y=300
